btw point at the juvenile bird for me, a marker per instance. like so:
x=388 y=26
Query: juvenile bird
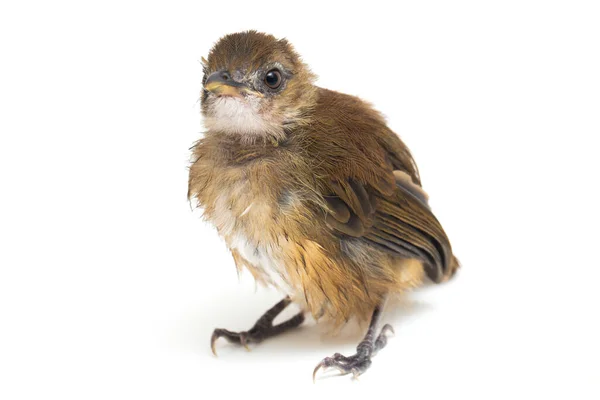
x=312 y=192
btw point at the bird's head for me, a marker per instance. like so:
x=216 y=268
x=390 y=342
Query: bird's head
x=255 y=86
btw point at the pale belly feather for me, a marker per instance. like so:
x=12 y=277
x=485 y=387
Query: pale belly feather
x=246 y=222
x=263 y=259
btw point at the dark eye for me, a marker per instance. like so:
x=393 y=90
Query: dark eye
x=273 y=79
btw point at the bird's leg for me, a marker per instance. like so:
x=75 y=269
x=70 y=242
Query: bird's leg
x=358 y=363
x=262 y=329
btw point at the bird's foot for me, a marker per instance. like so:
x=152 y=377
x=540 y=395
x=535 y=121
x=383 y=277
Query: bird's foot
x=357 y=363
x=262 y=330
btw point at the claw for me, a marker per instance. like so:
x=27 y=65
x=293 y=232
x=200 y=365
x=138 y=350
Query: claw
x=321 y=364
x=326 y=362
x=244 y=341
x=330 y=362
x=388 y=328
x=213 y=340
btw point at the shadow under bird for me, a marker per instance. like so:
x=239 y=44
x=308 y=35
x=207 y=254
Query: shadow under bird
x=312 y=192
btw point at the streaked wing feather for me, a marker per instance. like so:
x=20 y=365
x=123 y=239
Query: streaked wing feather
x=401 y=223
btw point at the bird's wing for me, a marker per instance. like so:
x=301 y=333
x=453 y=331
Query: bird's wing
x=371 y=183
x=397 y=220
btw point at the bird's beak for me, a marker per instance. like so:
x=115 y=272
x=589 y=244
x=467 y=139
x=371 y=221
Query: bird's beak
x=221 y=84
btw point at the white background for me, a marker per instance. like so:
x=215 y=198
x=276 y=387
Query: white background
x=110 y=285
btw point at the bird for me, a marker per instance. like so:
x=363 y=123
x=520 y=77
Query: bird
x=312 y=193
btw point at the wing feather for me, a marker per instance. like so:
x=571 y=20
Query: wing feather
x=401 y=223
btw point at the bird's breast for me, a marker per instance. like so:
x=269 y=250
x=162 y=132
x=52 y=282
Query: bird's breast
x=254 y=219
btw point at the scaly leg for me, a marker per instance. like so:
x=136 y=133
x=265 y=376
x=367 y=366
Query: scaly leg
x=358 y=363
x=263 y=328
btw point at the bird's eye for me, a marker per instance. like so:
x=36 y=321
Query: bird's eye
x=273 y=79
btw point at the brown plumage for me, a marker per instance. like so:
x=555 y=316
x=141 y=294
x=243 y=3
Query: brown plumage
x=310 y=189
